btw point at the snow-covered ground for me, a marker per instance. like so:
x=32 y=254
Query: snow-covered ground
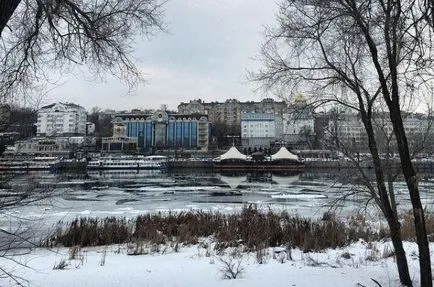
x=200 y=265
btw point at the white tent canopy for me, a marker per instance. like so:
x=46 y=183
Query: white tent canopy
x=283 y=153
x=232 y=153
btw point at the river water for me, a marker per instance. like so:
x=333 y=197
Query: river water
x=130 y=193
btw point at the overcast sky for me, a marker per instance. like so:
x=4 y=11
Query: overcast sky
x=209 y=48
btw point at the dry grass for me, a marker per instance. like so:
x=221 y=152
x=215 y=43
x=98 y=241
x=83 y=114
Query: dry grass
x=407 y=226
x=62 y=265
x=251 y=228
x=92 y=232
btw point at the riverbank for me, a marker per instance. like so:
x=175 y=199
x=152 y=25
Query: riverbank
x=252 y=248
x=204 y=164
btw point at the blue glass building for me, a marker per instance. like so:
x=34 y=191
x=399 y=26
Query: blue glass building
x=161 y=130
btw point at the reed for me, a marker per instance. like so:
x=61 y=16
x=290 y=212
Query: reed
x=250 y=228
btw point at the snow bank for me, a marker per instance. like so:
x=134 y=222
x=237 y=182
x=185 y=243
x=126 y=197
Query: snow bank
x=200 y=266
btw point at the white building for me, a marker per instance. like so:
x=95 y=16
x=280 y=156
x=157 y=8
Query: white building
x=258 y=129
x=348 y=130
x=295 y=125
x=61 y=119
x=298 y=124
x=42 y=146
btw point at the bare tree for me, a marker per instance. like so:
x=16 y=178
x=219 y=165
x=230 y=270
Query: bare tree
x=361 y=55
x=18 y=234
x=40 y=36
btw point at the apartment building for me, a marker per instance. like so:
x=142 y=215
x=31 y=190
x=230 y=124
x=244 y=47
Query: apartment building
x=230 y=111
x=258 y=129
x=61 y=119
x=347 y=130
x=298 y=124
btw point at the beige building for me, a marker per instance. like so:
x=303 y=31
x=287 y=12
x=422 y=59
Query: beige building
x=42 y=146
x=229 y=111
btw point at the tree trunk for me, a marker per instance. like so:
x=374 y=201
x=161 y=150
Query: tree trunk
x=412 y=185
x=386 y=207
x=7 y=9
x=401 y=259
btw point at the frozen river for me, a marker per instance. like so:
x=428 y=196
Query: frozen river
x=130 y=193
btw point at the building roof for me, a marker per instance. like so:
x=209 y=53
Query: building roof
x=283 y=153
x=64 y=104
x=257 y=117
x=119 y=117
